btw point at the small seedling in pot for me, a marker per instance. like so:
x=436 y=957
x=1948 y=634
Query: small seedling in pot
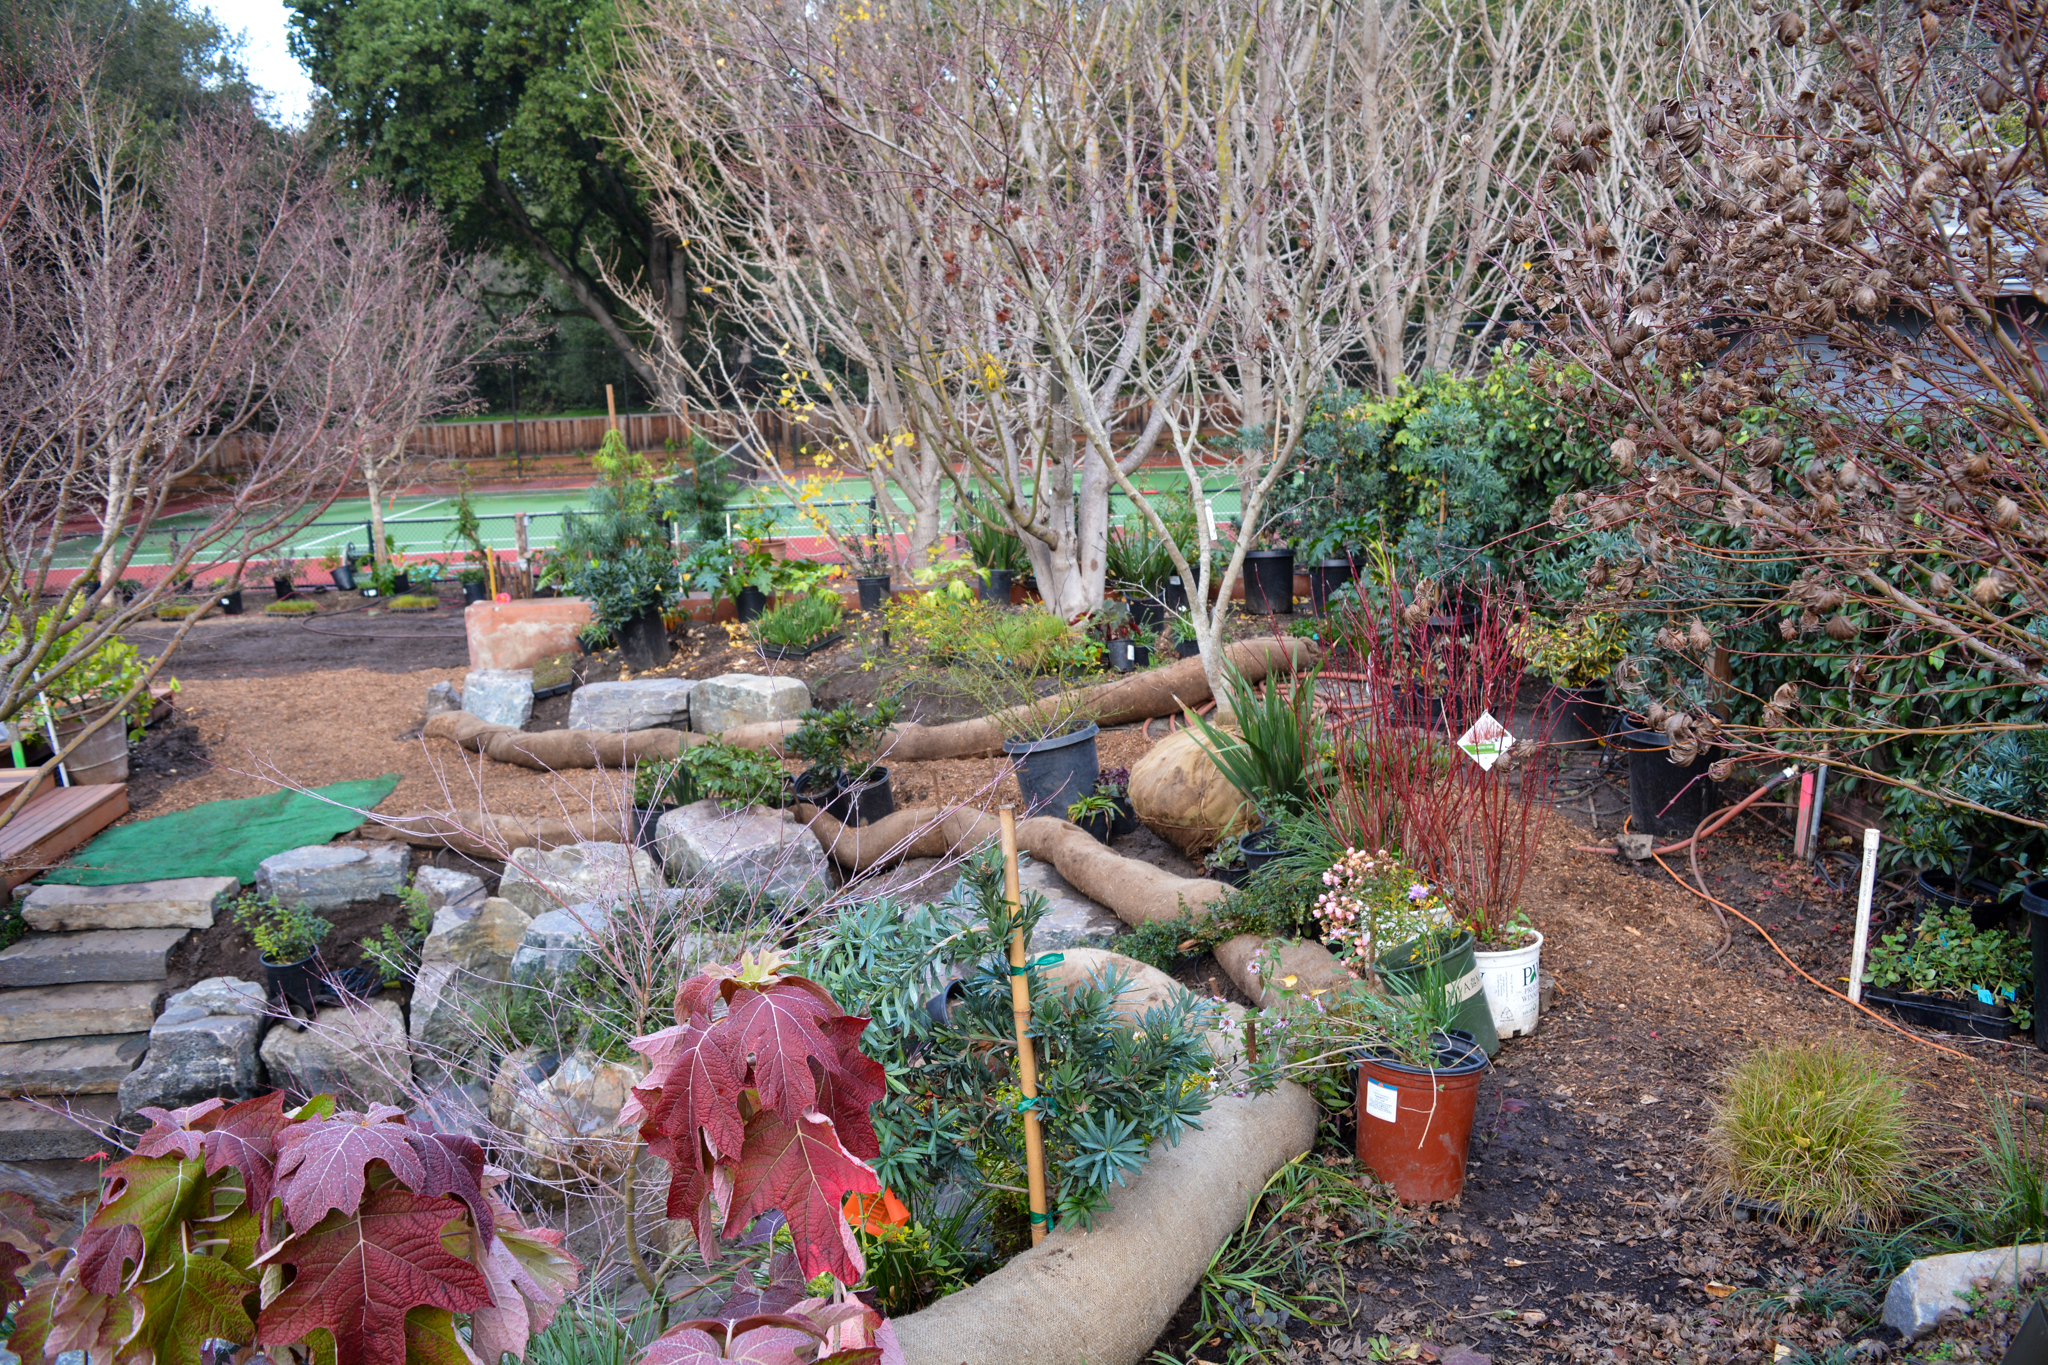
x=395 y=951
x=284 y=934
x=1092 y=805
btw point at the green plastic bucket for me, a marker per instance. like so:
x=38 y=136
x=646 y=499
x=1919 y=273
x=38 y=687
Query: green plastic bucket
x=1408 y=968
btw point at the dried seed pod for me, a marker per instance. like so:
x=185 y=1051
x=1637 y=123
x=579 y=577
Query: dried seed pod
x=1522 y=227
x=1563 y=130
x=1830 y=599
x=1978 y=466
x=2005 y=514
x=1825 y=507
x=1759 y=481
x=1841 y=628
x=1708 y=440
x=1940 y=584
x=1788 y=28
x=1787 y=630
x=1698 y=636
x=1689 y=137
x=1624 y=453
x=1988 y=589
x=1596 y=133
x=1767 y=449
x=1834 y=202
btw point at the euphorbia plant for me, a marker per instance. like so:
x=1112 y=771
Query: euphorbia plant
x=316 y=1233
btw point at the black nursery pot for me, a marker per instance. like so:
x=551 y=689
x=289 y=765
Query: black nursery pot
x=401 y=583
x=1055 y=773
x=475 y=592
x=1126 y=655
x=1978 y=896
x=1325 y=577
x=1110 y=825
x=995 y=587
x=751 y=603
x=873 y=589
x=643 y=641
x=1147 y=611
x=294 y=983
x=345 y=577
x=645 y=833
x=1260 y=848
x=861 y=802
x=1173 y=594
x=2035 y=901
x=1269 y=582
x=1663 y=798
x=1187 y=649
x=282 y=588
x=231 y=603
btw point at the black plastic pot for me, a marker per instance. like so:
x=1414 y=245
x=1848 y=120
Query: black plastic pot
x=645 y=835
x=1577 y=715
x=475 y=592
x=1324 y=579
x=1147 y=611
x=874 y=590
x=861 y=802
x=1663 y=798
x=344 y=577
x=1055 y=773
x=282 y=588
x=1260 y=847
x=1111 y=824
x=1269 y=582
x=995 y=587
x=1970 y=1018
x=2035 y=901
x=401 y=583
x=1978 y=896
x=751 y=602
x=1231 y=876
x=803 y=651
x=1173 y=594
x=1187 y=649
x=294 y=984
x=643 y=641
x=1125 y=655
x=231 y=603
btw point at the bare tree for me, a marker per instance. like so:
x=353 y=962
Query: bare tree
x=191 y=324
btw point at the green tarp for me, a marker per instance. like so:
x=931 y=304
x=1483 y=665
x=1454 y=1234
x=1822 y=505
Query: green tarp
x=222 y=838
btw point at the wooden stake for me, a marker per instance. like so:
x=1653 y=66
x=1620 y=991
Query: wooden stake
x=1020 y=1010
x=611 y=408
x=1863 y=914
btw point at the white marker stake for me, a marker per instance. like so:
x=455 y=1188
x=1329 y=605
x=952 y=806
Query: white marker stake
x=1863 y=914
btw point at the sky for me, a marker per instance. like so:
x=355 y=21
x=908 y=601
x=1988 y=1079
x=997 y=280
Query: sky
x=263 y=24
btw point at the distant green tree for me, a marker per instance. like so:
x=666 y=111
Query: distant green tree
x=169 y=57
x=490 y=110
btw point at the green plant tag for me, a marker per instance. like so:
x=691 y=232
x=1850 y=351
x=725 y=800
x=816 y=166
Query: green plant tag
x=1487 y=742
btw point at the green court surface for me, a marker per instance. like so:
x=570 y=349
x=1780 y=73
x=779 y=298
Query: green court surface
x=425 y=525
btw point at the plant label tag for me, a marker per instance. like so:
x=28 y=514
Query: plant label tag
x=1487 y=742
x=1382 y=1101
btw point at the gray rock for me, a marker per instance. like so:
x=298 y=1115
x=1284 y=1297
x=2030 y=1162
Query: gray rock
x=30 y=1013
x=564 y=1123
x=555 y=940
x=226 y=995
x=1071 y=920
x=174 y=903
x=71 y=1066
x=447 y=1107
x=357 y=1053
x=538 y=880
x=762 y=849
x=482 y=945
x=42 y=1130
x=332 y=876
x=914 y=881
x=57 y=1189
x=444 y=886
x=444 y=1021
x=732 y=699
x=93 y=955
x=202 y=1046
x=499 y=696
x=643 y=704
x=442 y=698
x=1933 y=1285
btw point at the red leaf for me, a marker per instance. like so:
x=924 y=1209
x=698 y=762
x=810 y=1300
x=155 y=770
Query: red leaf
x=359 y=1276
x=693 y=1098
x=766 y=1339
x=178 y=1132
x=320 y=1162
x=104 y=1254
x=23 y=1237
x=245 y=1137
x=13 y=1260
x=779 y=1031
x=801 y=1169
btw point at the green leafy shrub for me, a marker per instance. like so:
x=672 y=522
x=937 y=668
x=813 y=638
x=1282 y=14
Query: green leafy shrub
x=1577 y=652
x=1032 y=641
x=1277 y=756
x=283 y=933
x=94 y=681
x=839 y=744
x=733 y=776
x=1819 y=1129
x=799 y=621
x=1947 y=955
x=177 y=611
x=396 y=950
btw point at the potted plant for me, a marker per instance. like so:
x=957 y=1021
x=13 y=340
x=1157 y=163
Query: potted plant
x=844 y=780
x=1332 y=562
x=1225 y=862
x=1947 y=974
x=1273 y=760
x=1576 y=655
x=997 y=550
x=659 y=786
x=869 y=558
x=1269 y=579
x=1416 y=1099
x=1106 y=812
x=1127 y=654
x=283 y=572
x=628 y=592
x=1182 y=628
x=797 y=627
x=340 y=568
x=1095 y=813
x=227 y=591
x=476 y=585
x=82 y=698
x=289 y=939
x=1439 y=964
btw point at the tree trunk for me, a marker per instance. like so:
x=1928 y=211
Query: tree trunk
x=373 y=485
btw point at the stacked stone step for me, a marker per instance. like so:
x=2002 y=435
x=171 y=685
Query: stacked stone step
x=77 y=997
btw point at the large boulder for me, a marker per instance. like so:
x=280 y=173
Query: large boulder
x=448 y=887
x=644 y=704
x=732 y=699
x=332 y=876
x=461 y=965
x=1934 y=1285
x=1181 y=795
x=512 y=635
x=481 y=945
x=759 y=848
x=1071 y=920
x=442 y=698
x=538 y=880
x=554 y=942
x=564 y=1120
x=357 y=1053
x=203 y=1045
x=499 y=696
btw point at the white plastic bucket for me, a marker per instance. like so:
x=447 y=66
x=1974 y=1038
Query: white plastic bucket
x=1513 y=982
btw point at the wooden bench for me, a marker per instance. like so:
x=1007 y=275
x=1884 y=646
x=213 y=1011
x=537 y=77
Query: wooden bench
x=54 y=824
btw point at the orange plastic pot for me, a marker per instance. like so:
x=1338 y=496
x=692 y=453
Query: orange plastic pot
x=1415 y=1123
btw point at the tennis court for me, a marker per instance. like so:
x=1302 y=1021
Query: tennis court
x=426 y=525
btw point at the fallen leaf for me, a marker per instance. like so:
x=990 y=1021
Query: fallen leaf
x=1535 y=1317
x=1512 y=1261
x=1718 y=1290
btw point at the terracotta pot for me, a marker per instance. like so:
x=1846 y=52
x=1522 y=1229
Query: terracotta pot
x=1415 y=1123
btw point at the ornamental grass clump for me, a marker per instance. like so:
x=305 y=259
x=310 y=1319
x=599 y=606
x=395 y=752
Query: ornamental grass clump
x=799 y=622
x=1818 y=1129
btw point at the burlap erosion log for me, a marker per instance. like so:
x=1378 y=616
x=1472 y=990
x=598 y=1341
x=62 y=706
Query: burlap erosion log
x=1183 y=797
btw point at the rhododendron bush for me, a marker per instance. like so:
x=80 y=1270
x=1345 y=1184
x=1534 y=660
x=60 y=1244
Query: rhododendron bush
x=313 y=1233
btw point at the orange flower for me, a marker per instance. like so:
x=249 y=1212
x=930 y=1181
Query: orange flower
x=876 y=1212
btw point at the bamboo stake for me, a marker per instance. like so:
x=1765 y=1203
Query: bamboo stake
x=611 y=408
x=1020 y=1010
